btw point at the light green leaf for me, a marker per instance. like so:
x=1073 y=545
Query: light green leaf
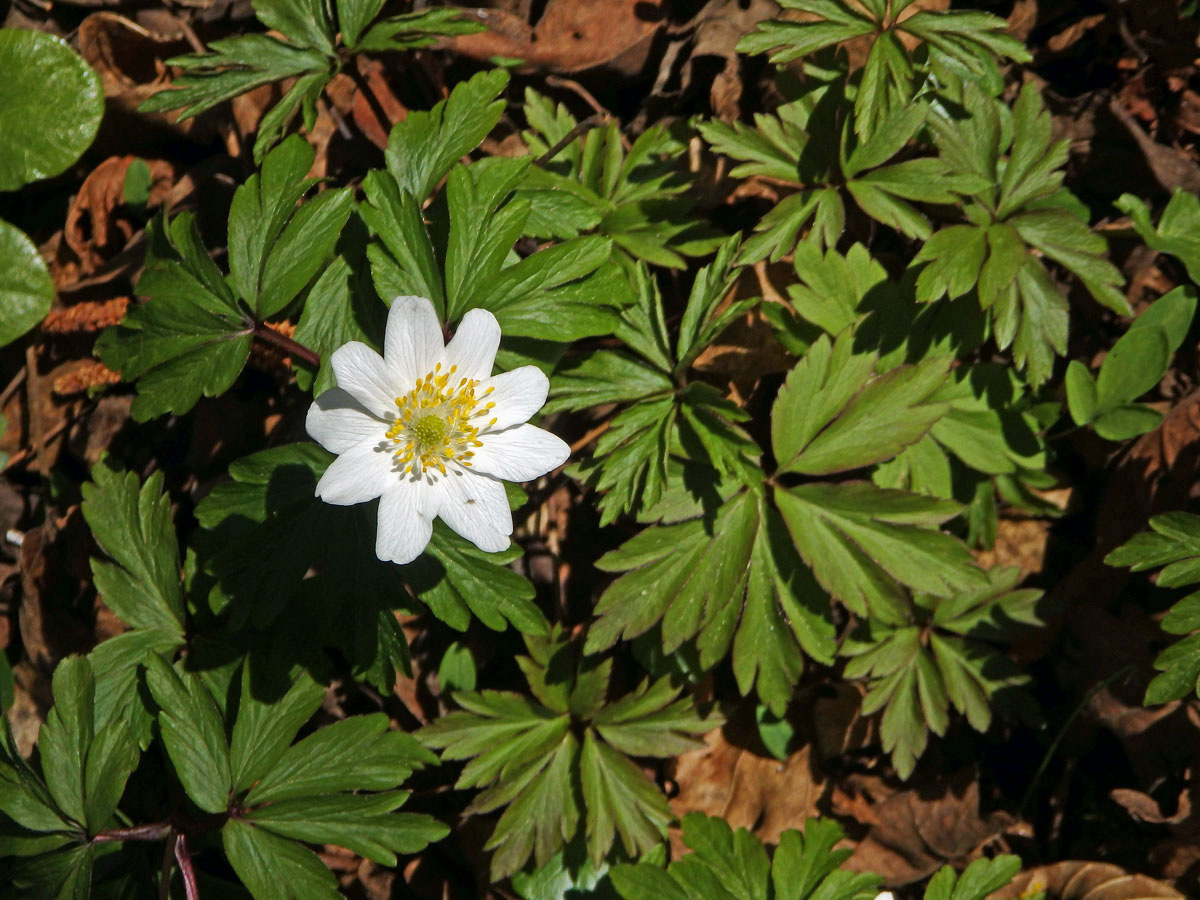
x=426 y=145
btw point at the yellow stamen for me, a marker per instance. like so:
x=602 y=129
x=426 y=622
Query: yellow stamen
x=433 y=422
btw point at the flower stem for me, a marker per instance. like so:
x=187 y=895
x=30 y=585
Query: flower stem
x=293 y=349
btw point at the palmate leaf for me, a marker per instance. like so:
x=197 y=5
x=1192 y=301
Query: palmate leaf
x=733 y=865
x=863 y=542
x=637 y=197
x=1173 y=542
x=779 y=148
x=1014 y=223
x=193 y=334
x=835 y=414
x=427 y=145
x=531 y=760
x=668 y=418
x=947 y=658
x=733 y=582
x=309 y=55
x=561 y=293
x=190 y=338
x=337 y=785
x=132 y=524
x=889 y=77
x=84 y=769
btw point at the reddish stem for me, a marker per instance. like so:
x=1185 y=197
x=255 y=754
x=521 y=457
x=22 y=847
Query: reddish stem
x=293 y=349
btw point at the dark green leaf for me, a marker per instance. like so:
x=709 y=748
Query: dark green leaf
x=51 y=108
x=274 y=868
x=134 y=527
x=26 y=290
x=193 y=732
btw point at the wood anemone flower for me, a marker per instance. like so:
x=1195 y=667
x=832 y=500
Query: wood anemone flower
x=430 y=431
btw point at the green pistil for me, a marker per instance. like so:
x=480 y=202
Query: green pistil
x=430 y=431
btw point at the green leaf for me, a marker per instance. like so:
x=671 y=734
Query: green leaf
x=67 y=735
x=234 y=66
x=266 y=725
x=85 y=768
x=305 y=22
x=62 y=875
x=738 y=583
x=394 y=217
x=193 y=732
x=274 y=868
x=51 y=104
x=134 y=527
x=917 y=671
x=1082 y=399
x=1173 y=542
x=355 y=754
x=834 y=414
x=354 y=16
x=619 y=799
x=275 y=247
x=364 y=824
x=1177 y=232
x=792 y=40
x=116 y=663
x=457 y=670
x=26 y=290
x=979 y=880
x=563 y=877
x=456 y=580
x=190 y=338
x=426 y=145
x=733 y=865
x=415 y=29
x=266 y=529
x=861 y=541
x=606 y=376
x=529 y=758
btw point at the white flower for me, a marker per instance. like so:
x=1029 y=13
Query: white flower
x=429 y=431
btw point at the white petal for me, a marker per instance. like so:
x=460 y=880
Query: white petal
x=357 y=475
x=361 y=373
x=473 y=347
x=517 y=394
x=406 y=512
x=476 y=507
x=412 y=343
x=519 y=454
x=338 y=422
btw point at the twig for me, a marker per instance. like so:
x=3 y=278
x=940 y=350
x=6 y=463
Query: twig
x=298 y=351
x=154 y=831
x=580 y=128
x=11 y=387
x=590 y=436
x=193 y=40
x=190 y=889
x=22 y=455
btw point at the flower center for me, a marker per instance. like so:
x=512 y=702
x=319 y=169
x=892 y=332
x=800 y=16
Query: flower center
x=438 y=420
